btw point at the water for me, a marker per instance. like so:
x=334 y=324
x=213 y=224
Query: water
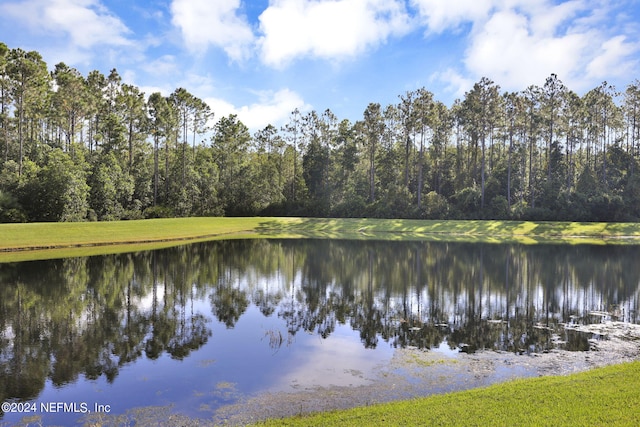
x=203 y=325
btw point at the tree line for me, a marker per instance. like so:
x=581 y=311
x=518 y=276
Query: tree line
x=76 y=148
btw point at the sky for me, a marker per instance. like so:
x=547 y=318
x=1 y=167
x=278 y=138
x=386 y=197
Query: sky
x=261 y=59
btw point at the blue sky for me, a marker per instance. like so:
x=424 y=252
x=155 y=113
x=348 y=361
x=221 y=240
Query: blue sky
x=261 y=59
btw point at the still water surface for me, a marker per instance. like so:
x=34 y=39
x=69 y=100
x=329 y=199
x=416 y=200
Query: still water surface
x=204 y=325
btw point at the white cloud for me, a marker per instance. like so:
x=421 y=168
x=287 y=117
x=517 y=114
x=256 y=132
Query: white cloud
x=289 y=29
x=150 y=89
x=163 y=65
x=213 y=22
x=332 y=362
x=87 y=22
x=546 y=20
x=272 y=108
x=455 y=83
x=328 y=29
x=443 y=15
x=440 y=16
x=517 y=43
x=611 y=59
x=220 y=107
x=508 y=50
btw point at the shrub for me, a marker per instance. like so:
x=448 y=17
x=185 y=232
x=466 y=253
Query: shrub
x=435 y=206
x=158 y=212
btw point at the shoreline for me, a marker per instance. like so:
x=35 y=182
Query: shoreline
x=415 y=373
x=411 y=375
x=37 y=241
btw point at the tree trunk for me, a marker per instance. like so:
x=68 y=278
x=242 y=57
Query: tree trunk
x=509 y=167
x=420 y=169
x=155 y=170
x=482 y=179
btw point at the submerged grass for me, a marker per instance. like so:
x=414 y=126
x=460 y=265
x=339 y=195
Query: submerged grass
x=55 y=240
x=603 y=396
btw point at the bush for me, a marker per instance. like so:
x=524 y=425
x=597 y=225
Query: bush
x=92 y=215
x=606 y=207
x=435 y=206
x=394 y=203
x=498 y=208
x=467 y=202
x=158 y=212
x=135 y=212
x=350 y=208
x=538 y=214
x=10 y=210
x=518 y=209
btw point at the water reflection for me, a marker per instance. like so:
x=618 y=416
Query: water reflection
x=89 y=317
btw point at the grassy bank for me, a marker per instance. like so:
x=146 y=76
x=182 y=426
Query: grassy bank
x=54 y=240
x=605 y=396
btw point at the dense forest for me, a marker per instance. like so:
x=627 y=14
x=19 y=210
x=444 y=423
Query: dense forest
x=76 y=148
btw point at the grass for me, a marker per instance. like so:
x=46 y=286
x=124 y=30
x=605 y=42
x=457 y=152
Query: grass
x=20 y=242
x=605 y=396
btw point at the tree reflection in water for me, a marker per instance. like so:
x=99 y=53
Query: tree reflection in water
x=60 y=319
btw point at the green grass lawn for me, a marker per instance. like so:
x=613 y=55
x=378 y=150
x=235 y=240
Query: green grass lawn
x=20 y=242
x=54 y=240
x=607 y=396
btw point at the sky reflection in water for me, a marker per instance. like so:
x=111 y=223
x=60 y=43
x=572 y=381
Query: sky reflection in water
x=202 y=325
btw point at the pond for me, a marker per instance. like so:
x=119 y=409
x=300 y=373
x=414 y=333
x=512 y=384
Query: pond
x=198 y=327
